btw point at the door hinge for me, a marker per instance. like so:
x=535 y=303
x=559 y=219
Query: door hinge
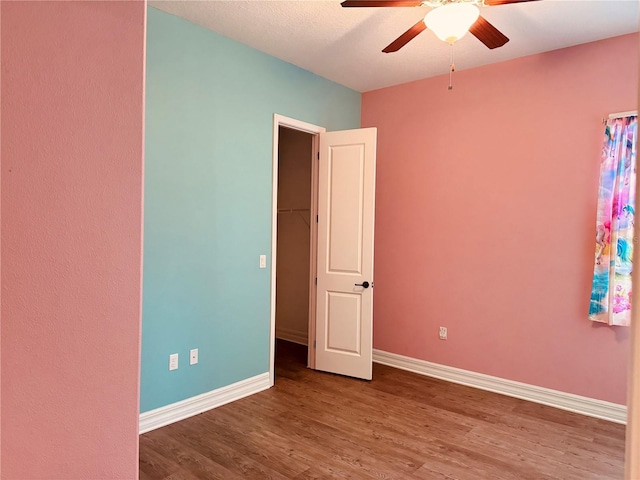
x=316 y=218
x=318 y=155
x=314 y=344
x=316 y=280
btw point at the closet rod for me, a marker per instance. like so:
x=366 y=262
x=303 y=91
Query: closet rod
x=286 y=210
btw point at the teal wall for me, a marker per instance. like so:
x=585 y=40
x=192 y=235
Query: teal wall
x=209 y=124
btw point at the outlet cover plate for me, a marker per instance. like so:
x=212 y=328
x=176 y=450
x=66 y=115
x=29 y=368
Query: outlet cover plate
x=173 y=361
x=193 y=356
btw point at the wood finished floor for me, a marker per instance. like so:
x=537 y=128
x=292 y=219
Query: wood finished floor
x=314 y=425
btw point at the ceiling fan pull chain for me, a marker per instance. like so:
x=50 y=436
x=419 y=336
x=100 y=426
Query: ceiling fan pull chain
x=452 y=69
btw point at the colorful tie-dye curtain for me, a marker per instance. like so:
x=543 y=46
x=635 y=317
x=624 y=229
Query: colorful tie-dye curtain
x=611 y=291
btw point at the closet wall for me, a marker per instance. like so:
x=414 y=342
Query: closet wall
x=294 y=203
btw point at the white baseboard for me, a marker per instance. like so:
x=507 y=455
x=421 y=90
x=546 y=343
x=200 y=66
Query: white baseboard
x=553 y=398
x=291 y=335
x=201 y=403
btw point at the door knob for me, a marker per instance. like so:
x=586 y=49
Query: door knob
x=363 y=284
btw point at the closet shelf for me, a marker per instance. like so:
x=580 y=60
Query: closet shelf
x=299 y=211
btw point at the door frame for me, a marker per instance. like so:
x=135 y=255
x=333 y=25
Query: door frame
x=315 y=130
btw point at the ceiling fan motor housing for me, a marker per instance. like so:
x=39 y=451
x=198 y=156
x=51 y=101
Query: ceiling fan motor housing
x=479 y=27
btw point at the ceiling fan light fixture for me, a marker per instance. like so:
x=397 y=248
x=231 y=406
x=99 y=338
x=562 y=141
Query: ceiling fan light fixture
x=452 y=21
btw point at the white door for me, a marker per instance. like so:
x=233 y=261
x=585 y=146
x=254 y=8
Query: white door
x=346 y=200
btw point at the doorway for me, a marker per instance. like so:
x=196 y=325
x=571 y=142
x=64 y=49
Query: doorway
x=293 y=249
x=293 y=230
x=340 y=249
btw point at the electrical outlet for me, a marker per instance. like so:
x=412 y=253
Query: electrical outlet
x=263 y=261
x=173 y=361
x=443 y=333
x=193 y=356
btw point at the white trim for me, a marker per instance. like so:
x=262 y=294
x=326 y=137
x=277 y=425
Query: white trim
x=282 y=121
x=201 y=403
x=553 y=398
x=279 y=121
x=313 y=253
x=291 y=335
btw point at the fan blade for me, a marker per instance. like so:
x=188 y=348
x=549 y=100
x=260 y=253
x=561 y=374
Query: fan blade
x=406 y=37
x=488 y=34
x=493 y=3
x=380 y=3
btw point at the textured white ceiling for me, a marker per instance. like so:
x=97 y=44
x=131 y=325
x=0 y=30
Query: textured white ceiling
x=344 y=44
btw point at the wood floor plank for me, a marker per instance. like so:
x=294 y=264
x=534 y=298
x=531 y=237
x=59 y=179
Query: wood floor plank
x=182 y=475
x=318 y=426
x=185 y=458
x=154 y=465
x=548 y=458
x=227 y=456
x=458 y=461
x=252 y=447
x=349 y=408
x=399 y=439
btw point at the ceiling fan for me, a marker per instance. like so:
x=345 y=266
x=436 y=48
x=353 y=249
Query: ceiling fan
x=448 y=19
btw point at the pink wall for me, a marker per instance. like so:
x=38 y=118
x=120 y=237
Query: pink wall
x=72 y=146
x=485 y=220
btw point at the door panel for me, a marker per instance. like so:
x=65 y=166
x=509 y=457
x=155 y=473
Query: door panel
x=346 y=199
x=343 y=337
x=344 y=219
